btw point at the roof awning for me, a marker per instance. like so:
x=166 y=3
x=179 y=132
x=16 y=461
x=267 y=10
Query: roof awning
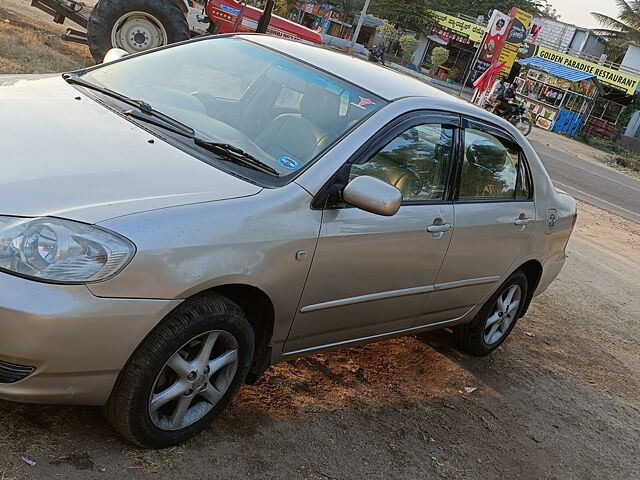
x=438 y=39
x=555 y=69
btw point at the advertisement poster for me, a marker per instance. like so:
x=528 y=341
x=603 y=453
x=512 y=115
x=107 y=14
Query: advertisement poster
x=518 y=27
x=494 y=41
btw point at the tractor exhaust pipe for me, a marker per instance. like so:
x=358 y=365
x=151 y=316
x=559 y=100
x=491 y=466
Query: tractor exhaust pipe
x=263 y=24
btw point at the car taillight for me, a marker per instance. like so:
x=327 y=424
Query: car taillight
x=574 y=220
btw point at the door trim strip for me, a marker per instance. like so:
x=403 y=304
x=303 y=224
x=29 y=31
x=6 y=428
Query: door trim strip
x=398 y=293
x=372 y=337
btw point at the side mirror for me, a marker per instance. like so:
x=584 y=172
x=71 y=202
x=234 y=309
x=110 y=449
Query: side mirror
x=114 y=54
x=373 y=195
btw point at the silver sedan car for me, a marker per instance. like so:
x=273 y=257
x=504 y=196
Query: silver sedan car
x=174 y=222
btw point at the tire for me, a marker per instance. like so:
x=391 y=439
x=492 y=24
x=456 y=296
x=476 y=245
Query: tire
x=524 y=125
x=474 y=337
x=130 y=408
x=137 y=25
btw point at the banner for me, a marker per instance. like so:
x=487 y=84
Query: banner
x=493 y=42
x=607 y=76
x=472 y=31
x=520 y=23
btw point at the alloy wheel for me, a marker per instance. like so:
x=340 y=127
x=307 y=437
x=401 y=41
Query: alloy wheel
x=504 y=314
x=193 y=380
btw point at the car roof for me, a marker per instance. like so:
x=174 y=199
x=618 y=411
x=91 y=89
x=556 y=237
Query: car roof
x=379 y=80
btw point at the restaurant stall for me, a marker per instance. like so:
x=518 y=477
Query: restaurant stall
x=559 y=97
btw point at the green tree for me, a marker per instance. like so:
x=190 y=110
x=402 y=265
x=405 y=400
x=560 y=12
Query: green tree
x=482 y=7
x=407 y=15
x=623 y=30
x=388 y=32
x=412 y=14
x=439 y=56
x=409 y=44
x=284 y=8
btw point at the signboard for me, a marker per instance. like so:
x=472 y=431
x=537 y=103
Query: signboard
x=520 y=23
x=446 y=35
x=606 y=76
x=493 y=42
x=472 y=31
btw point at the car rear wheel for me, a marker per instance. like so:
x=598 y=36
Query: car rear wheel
x=134 y=26
x=183 y=375
x=496 y=319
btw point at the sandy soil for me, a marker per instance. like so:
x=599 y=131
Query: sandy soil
x=559 y=400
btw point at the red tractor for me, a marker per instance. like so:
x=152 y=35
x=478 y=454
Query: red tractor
x=138 y=25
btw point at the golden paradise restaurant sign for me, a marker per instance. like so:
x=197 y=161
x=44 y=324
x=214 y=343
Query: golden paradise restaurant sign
x=607 y=76
x=472 y=31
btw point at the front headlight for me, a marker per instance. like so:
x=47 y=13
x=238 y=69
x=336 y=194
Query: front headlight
x=61 y=251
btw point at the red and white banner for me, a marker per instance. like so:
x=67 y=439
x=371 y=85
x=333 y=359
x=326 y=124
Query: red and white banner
x=494 y=41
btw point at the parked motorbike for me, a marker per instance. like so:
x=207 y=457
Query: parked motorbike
x=518 y=115
x=376 y=55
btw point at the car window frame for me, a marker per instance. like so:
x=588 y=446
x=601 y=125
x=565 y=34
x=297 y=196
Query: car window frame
x=329 y=196
x=503 y=135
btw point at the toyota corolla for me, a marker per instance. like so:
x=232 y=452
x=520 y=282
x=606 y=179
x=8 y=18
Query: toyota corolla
x=174 y=222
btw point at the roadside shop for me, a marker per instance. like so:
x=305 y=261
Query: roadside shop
x=568 y=94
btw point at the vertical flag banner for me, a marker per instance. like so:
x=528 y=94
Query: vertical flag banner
x=494 y=41
x=519 y=24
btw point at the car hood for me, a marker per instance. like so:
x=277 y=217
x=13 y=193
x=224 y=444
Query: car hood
x=63 y=154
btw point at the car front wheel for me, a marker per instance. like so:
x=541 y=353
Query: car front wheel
x=496 y=318
x=183 y=375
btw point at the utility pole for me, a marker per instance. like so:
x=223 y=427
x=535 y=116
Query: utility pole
x=359 y=27
x=263 y=24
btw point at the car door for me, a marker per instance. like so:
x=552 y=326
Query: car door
x=494 y=216
x=370 y=274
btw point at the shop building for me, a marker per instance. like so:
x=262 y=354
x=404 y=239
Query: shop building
x=615 y=90
x=460 y=35
x=569 y=39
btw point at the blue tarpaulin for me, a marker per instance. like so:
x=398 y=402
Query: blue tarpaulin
x=555 y=69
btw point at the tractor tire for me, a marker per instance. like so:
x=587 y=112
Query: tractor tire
x=134 y=26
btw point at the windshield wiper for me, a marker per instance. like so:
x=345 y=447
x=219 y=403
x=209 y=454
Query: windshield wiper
x=146 y=111
x=148 y=114
x=235 y=154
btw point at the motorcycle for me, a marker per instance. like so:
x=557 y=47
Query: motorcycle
x=518 y=117
x=376 y=55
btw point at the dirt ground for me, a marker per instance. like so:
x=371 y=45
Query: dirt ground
x=559 y=400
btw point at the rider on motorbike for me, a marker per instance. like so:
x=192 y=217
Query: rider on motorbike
x=376 y=54
x=507 y=99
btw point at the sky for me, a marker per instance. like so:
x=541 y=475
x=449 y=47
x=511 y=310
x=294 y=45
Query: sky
x=578 y=11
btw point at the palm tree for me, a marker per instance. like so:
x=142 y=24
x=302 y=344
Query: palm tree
x=623 y=30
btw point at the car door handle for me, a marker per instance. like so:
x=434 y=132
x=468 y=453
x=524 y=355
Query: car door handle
x=445 y=227
x=523 y=221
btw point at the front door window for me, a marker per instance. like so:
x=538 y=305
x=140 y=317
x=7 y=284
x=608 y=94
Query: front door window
x=416 y=162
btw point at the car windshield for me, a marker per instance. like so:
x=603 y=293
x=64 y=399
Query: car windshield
x=230 y=90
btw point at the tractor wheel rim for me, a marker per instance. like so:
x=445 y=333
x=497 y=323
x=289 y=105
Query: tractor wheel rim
x=138 y=31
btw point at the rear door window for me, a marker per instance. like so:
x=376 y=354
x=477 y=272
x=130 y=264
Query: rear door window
x=492 y=168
